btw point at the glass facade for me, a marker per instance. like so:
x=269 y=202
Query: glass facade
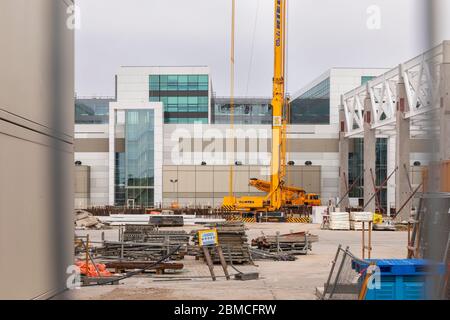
x=134 y=168
x=313 y=106
x=356 y=165
x=185 y=97
x=365 y=79
x=119 y=176
x=246 y=111
x=92 y=111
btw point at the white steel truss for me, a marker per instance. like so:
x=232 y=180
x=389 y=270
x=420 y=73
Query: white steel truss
x=422 y=82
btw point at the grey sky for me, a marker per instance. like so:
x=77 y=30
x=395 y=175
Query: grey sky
x=322 y=34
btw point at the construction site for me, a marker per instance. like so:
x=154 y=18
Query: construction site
x=167 y=191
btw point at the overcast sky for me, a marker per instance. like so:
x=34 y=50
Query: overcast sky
x=322 y=34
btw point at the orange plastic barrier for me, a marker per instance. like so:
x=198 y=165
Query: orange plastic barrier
x=91 y=271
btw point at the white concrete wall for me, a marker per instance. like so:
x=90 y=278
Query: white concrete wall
x=91 y=131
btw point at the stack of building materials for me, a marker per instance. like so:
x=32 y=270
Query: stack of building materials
x=357 y=219
x=122 y=266
x=258 y=254
x=292 y=243
x=166 y=220
x=317 y=213
x=147 y=245
x=136 y=232
x=142 y=219
x=232 y=239
x=85 y=220
x=339 y=221
x=161 y=220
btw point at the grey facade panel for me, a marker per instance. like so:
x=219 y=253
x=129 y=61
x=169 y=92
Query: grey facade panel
x=91 y=145
x=209 y=184
x=98 y=145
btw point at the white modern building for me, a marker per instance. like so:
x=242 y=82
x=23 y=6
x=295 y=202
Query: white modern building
x=182 y=153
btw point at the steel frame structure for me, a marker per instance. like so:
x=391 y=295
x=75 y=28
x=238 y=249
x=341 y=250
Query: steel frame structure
x=422 y=78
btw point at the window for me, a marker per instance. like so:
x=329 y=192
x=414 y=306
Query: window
x=154 y=83
x=182 y=83
x=92 y=111
x=246 y=111
x=203 y=82
x=365 y=79
x=171 y=90
x=313 y=106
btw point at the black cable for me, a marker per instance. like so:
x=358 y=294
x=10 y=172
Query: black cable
x=132 y=273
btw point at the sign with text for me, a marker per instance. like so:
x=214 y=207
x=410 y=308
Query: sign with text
x=208 y=237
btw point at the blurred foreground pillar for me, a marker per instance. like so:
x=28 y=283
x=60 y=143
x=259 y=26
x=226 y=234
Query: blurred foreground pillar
x=36 y=147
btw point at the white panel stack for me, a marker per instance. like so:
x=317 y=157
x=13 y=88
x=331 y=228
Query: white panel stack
x=317 y=213
x=356 y=219
x=339 y=221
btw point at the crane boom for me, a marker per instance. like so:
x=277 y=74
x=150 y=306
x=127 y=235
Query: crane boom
x=278 y=195
x=278 y=101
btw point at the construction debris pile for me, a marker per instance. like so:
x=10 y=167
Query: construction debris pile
x=290 y=243
x=85 y=220
x=233 y=240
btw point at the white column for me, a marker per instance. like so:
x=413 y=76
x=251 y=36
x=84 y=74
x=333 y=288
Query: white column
x=158 y=151
x=343 y=161
x=390 y=168
x=402 y=154
x=369 y=156
x=111 y=167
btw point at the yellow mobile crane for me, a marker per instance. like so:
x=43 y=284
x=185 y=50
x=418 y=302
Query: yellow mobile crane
x=278 y=195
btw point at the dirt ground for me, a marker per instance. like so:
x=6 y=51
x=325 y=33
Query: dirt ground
x=277 y=279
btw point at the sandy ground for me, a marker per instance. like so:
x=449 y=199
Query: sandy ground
x=278 y=279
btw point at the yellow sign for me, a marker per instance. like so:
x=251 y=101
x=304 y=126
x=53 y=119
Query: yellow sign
x=208 y=237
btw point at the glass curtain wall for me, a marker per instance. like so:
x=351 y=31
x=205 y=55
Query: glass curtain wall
x=139 y=157
x=313 y=106
x=184 y=97
x=119 y=176
x=92 y=110
x=356 y=165
x=246 y=111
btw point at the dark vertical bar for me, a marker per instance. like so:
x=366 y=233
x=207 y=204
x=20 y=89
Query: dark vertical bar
x=331 y=271
x=339 y=272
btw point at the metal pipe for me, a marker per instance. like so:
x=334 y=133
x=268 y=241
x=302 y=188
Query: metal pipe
x=377 y=198
x=350 y=188
x=381 y=186
x=407 y=200
x=339 y=271
x=91 y=258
